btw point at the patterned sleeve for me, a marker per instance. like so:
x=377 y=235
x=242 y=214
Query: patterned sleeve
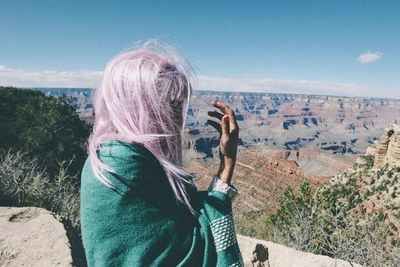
x=218 y=208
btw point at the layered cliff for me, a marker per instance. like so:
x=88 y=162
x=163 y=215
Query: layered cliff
x=338 y=128
x=355 y=216
x=386 y=150
x=373 y=183
x=378 y=172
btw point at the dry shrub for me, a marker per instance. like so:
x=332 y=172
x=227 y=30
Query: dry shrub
x=23 y=183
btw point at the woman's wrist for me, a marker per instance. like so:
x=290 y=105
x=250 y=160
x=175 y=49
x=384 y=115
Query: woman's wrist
x=217 y=184
x=225 y=171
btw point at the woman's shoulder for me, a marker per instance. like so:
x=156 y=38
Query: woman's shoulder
x=120 y=149
x=126 y=155
x=127 y=160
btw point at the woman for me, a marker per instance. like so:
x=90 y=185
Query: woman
x=139 y=206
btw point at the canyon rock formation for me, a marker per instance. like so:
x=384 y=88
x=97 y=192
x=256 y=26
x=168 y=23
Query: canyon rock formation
x=386 y=150
x=376 y=178
x=324 y=134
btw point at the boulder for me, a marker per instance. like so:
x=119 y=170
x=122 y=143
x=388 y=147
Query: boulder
x=258 y=252
x=33 y=237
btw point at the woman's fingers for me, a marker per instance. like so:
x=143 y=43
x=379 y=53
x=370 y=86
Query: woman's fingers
x=215 y=114
x=233 y=126
x=225 y=125
x=216 y=125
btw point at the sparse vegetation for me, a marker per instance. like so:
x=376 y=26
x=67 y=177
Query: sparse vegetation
x=335 y=222
x=295 y=207
x=321 y=225
x=23 y=183
x=42 y=151
x=369 y=159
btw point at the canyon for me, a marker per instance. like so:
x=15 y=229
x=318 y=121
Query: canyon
x=323 y=134
x=285 y=140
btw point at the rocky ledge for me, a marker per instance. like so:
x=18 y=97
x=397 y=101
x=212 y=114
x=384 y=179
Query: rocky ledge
x=258 y=252
x=32 y=236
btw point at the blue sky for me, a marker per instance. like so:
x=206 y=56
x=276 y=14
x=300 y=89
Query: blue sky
x=322 y=47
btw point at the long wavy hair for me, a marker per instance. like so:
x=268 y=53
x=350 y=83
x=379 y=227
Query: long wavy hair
x=143 y=98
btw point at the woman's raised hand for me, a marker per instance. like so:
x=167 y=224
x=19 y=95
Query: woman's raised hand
x=229 y=136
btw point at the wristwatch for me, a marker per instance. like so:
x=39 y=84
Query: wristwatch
x=218 y=185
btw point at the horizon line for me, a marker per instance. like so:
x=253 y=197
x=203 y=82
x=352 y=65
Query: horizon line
x=232 y=92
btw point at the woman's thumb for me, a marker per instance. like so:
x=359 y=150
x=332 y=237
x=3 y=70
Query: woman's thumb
x=225 y=124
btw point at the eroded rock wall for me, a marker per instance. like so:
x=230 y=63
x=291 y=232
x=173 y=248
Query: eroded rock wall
x=386 y=150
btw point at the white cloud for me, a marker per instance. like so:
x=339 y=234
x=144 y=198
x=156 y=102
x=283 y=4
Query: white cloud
x=369 y=57
x=49 y=78
x=91 y=78
x=242 y=84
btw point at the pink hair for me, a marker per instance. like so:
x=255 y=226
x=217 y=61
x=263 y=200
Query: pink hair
x=137 y=102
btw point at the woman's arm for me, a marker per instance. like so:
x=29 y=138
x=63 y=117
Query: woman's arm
x=218 y=204
x=217 y=207
x=229 y=136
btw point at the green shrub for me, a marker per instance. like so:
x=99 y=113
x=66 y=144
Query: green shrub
x=294 y=216
x=369 y=159
x=48 y=129
x=323 y=224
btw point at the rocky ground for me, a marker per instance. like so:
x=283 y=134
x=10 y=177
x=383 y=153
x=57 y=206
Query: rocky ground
x=33 y=237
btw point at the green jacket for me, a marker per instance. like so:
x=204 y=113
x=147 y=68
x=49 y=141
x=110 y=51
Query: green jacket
x=140 y=223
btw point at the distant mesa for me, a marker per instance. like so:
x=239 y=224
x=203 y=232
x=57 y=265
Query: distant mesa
x=273 y=121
